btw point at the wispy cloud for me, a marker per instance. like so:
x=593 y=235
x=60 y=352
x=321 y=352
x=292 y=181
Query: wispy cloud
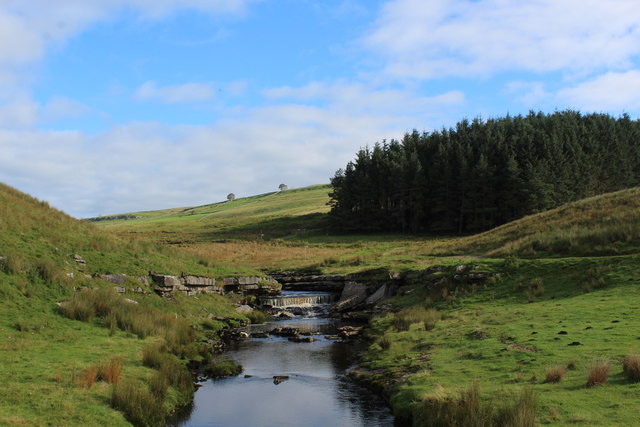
x=611 y=91
x=183 y=93
x=469 y=38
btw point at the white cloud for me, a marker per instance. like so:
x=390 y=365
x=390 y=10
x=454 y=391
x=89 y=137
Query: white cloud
x=187 y=92
x=18 y=112
x=608 y=92
x=353 y=99
x=439 y=38
x=151 y=166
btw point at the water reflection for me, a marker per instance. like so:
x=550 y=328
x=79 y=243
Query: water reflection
x=316 y=394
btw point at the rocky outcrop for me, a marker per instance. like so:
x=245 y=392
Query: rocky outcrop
x=254 y=285
x=301 y=282
x=168 y=286
x=187 y=284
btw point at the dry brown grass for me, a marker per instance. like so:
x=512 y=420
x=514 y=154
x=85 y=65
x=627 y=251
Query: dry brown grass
x=631 y=367
x=110 y=371
x=264 y=254
x=88 y=377
x=555 y=373
x=598 y=373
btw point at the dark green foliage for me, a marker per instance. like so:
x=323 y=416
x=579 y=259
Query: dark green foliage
x=485 y=173
x=222 y=367
x=257 y=317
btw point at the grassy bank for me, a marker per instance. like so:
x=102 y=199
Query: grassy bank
x=541 y=326
x=62 y=365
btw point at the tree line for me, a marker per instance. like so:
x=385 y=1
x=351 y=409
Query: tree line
x=483 y=173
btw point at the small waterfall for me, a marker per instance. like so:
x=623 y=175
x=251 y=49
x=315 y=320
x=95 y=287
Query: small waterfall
x=287 y=301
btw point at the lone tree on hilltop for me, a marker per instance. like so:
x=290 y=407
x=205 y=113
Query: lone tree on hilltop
x=231 y=197
x=282 y=187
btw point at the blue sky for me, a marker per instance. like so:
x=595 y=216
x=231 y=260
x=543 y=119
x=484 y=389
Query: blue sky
x=114 y=106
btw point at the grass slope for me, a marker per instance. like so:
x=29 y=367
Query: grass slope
x=42 y=353
x=601 y=225
x=506 y=337
x=278 y=214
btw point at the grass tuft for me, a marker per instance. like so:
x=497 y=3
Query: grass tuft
x=555 y=373
x=110 y=371
x=137 y=403
x=598 y=373
x=631 y=367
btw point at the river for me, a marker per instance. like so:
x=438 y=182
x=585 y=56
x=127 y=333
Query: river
x=316 y=392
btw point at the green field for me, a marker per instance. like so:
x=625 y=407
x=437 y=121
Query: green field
x=566 y=276
x=45 y=356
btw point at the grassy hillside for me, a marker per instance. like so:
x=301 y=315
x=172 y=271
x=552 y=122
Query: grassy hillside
x=280 y=214
x=48 y=360
x=601 y=225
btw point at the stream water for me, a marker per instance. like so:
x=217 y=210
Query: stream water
x=316 y=393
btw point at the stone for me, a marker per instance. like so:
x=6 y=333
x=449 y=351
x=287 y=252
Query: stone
x=352 y=295
x=285 y=332
x=119 y=289
x=130 y=301
x=380 y=294
x=277 y=379
x=259 y=335
x=79 y=259
x=144 y=280
x=461 y=268
x=188 y=280
x=244 y=309
x=349 y=331
x=116 y=279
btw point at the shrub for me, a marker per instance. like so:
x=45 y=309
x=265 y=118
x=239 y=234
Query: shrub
x=598 y=373
x=222 y=367
x=385 y=342
x=110 y=371
x=631 y=367
x=535 y=289
x=555 y=373
x=257 y=317
x=137 y=403
x=403 y=319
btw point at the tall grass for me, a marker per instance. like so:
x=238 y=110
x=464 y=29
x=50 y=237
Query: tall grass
x=468 y=409
x=598 y=373
x=138 y=404
x=403 y=319
x=631 y=367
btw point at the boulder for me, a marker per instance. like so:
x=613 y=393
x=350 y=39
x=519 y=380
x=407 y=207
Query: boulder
x=244 y=309
x=378 y=295
x=353 y=294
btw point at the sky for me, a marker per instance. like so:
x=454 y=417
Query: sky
x=114 y=106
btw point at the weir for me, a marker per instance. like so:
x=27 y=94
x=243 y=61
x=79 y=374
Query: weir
x=296 y=300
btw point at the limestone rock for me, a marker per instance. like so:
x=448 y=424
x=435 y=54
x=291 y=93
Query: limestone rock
x=353 y=294
x=244 y=309
x=116 y=279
